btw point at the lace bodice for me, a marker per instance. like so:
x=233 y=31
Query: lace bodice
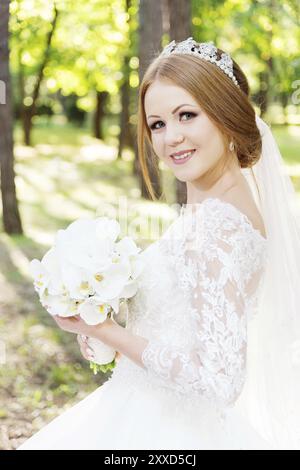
x=196 y=296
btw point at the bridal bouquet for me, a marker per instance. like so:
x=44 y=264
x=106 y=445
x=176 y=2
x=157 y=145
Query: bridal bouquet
x=89 y=273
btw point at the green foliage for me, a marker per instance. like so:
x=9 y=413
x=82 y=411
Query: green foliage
x=254 y=32
x=92 y=39
x=102 y=368
x=87 y=50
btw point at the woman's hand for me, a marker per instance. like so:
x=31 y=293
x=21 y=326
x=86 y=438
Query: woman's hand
x=77 y=325
x=85 y=349
x=74 y=325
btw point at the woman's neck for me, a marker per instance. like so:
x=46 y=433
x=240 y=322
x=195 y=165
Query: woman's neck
x=229 y=179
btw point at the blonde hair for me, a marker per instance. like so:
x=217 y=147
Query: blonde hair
x=228 y=106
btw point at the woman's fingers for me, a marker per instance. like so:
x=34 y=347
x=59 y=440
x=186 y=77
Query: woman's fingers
x=81 y=340
x=85 y=349
x=87 y=353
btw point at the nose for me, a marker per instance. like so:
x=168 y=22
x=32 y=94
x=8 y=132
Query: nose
x=172 y=136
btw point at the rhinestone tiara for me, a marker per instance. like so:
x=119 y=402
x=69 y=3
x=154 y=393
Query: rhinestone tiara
x=204 y=50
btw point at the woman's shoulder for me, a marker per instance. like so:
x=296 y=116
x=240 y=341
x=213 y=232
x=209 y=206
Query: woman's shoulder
x=245 y=204
x=215 y=215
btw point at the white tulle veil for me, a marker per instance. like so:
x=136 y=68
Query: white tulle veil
x=271 y=396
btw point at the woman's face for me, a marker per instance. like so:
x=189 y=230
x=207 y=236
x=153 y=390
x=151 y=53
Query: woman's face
x=175 y=129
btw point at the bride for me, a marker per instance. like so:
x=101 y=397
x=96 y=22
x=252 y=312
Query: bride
x=208 y=356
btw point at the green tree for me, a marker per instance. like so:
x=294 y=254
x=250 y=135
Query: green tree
x=11 y=217
x=32 y=30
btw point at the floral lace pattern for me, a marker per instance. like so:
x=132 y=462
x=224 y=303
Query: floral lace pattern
x=194 y=302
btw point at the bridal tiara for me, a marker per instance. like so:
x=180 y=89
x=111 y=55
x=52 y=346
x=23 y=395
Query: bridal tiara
x=204 y=50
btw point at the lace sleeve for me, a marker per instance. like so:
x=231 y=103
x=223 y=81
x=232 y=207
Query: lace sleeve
x=218 y=268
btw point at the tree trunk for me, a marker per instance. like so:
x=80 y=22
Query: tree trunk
x=125 y=128
x=11 y=217
x=284 y=100
x=179 y=12
x=150 y=32
x=263 y=97
x=101 y=97
x=265 y=76
x=125 y=137
x=29 y=112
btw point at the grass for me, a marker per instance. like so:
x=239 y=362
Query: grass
x=288 y=139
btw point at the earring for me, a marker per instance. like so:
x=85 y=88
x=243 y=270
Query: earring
x=231 y=146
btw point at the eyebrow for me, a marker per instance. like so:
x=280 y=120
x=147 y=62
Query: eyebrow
x=174 y=110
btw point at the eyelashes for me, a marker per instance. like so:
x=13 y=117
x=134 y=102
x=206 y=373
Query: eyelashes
x=153 y=128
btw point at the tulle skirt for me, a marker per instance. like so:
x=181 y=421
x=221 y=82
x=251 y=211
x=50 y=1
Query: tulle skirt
x=124 y=415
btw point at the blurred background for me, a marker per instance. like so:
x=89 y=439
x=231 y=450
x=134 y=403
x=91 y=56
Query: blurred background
x=69 y=78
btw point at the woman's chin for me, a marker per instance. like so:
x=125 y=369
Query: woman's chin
x=187 y=176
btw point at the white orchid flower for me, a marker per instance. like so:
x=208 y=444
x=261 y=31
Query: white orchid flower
x=59 y=305
x=51 y=262
x=40 y=275
x=80 y=246
x=47 y=273
x=129 y=290
x=109 y=284
x=107 y=228
x=92 y=311
x=87 y=272
x=127 y=247
x=137 y=266
x=115 y=304
x=76 y=281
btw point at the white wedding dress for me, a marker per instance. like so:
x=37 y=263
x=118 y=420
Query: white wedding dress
x=196 y=295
